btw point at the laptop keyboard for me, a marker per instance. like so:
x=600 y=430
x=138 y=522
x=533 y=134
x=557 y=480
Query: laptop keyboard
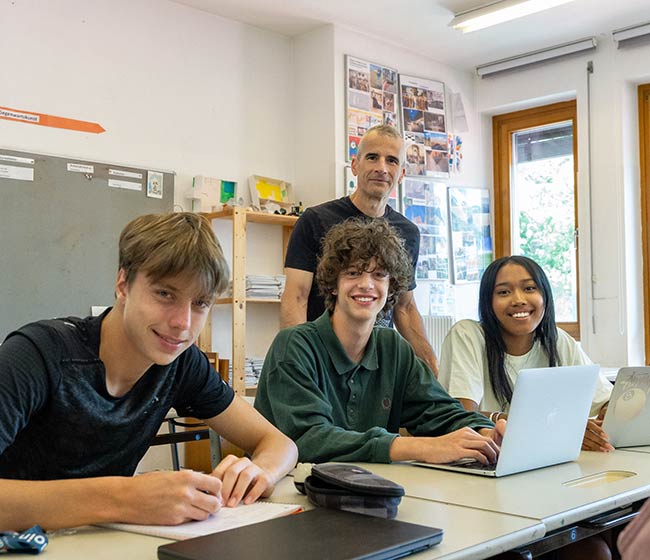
x=473 y=464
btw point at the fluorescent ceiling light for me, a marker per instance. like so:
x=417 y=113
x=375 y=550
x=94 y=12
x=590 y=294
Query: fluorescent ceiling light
x=498 y=12
x=632 y=32
x=536 y=56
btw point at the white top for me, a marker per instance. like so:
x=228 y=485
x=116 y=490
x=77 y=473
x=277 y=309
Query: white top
x=464 y=367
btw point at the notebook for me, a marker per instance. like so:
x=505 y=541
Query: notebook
x=546 y=422
x=627 y=420
x=317 y=533
x=225 y=519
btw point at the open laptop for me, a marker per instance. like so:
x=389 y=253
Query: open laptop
x=317 y=533
x=546 y=422
x=627 y=420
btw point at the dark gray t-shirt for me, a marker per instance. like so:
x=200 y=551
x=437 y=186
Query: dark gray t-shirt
x=305 y=244
x=57 y=420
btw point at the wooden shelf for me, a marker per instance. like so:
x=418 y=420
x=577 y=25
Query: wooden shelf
x=228 y=300
x=253 y=216
x=240 y=217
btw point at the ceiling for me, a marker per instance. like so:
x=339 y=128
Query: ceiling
x=422 y=25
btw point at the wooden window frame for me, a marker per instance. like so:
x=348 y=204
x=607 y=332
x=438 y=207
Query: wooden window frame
x=644 y=178
x=503 y=127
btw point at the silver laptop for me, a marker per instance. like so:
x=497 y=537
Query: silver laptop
x=627 y=420
x=546 y=422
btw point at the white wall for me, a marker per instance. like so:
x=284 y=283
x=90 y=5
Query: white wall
x=611 y=311
x=319 y=149
x=174 y=87
x=407 y=62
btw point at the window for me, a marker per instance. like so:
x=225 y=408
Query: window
x=644 y=155
x=535 y=198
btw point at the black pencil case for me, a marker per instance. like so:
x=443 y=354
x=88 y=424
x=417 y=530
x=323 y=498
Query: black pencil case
x=352 y=488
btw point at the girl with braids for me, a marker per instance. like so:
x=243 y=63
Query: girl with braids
x=480 y=361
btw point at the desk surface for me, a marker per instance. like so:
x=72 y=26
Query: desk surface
x=556 y=495
x=644 y=449
x=480 y=516
x=490 y=533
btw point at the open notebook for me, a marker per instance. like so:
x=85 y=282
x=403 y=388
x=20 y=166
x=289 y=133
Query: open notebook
x=225 y=519
x=546 y=423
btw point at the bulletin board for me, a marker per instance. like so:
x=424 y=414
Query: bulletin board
x=60 y=220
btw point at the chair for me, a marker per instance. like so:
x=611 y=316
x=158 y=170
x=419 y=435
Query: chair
x=194 y=430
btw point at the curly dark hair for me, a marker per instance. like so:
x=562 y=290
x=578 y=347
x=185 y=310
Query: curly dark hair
x=355 y=242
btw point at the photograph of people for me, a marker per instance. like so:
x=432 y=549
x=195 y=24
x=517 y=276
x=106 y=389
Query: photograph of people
x=434 y=122
x=437 y=162
x=414 y=159
x=413 y=120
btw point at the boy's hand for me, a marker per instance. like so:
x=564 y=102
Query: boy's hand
x=242 y=480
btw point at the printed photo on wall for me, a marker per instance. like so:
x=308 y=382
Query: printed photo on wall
x=425 y=204
x=423 y=107
x=154 y=184
x=370 y=99
x=471 y=240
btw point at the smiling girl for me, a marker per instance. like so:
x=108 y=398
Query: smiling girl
x=480 y=361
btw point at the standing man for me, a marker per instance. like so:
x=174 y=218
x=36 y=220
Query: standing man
x=82 y=399
x=379 y=167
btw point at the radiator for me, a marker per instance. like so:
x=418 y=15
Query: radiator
x=437 y=328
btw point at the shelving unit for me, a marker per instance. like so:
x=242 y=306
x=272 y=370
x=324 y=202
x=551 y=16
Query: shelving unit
x=240 y=217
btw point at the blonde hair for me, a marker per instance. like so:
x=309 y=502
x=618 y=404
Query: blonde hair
x=166 y=245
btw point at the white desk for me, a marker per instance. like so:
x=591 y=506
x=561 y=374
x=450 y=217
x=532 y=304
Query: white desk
x=470 y=534
x=480 y=516
x=643 y=449
x=542 y=494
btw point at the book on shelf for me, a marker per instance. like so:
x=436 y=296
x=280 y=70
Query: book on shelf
x=265 y=286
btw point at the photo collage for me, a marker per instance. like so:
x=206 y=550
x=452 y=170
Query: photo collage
x=371 y=99
x=425 y=204
x=425 y=128
x=471 y=240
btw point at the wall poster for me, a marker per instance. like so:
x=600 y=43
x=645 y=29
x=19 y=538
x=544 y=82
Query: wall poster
x=425 y=126
x=425 y=205
x=371 y=99
x=471 y=240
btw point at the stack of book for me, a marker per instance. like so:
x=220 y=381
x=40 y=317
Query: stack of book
x=253 y=370
x=264 y=286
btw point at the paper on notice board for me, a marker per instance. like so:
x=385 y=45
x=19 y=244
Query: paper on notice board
x=81 y=168
x=154 y=184
x=122 y=173
x=129 y=185
x=19 y=173
x=16 y=159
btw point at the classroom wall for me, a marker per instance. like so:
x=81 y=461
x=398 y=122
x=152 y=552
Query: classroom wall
x=174 y=87
x=611 y=311
x=326 y=152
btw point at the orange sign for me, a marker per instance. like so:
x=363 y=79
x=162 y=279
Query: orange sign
x=49 y=120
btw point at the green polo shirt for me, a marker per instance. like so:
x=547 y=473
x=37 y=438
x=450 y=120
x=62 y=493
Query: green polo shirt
x=339 y=410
